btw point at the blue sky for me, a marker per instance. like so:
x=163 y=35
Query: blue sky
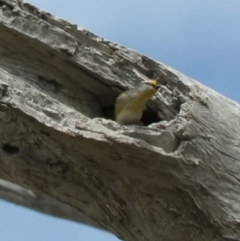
x=199 y=38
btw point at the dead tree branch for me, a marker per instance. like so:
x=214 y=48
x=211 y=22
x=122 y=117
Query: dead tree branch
x=175 y=178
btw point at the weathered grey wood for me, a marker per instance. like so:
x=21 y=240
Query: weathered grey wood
x=175 y=179
x=42 y=203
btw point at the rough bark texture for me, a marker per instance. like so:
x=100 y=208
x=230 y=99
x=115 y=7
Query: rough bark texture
x=42 y=203
x=176 y=178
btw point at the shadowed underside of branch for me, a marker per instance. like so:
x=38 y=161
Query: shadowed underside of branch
x=42 y=203
x=175 y=178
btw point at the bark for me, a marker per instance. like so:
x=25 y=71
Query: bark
x=175 y=178
x=42 y=203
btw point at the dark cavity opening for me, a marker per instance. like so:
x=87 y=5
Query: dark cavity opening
x=9 y=149
x=149 y=117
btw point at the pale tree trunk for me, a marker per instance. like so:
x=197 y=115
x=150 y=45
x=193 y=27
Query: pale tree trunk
x=175 y=178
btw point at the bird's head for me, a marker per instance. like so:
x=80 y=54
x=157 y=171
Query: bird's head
x=152 y=83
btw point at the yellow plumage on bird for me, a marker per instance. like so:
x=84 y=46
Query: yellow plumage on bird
x=131 y=104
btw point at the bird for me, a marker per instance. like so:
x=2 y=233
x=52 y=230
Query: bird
x=131 y=104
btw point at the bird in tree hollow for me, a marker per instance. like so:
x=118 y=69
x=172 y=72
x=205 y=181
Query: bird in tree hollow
x=131 y=104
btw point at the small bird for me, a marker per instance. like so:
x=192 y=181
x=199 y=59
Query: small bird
x=131 y=104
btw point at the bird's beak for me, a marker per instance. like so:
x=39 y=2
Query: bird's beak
x=154 y=83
